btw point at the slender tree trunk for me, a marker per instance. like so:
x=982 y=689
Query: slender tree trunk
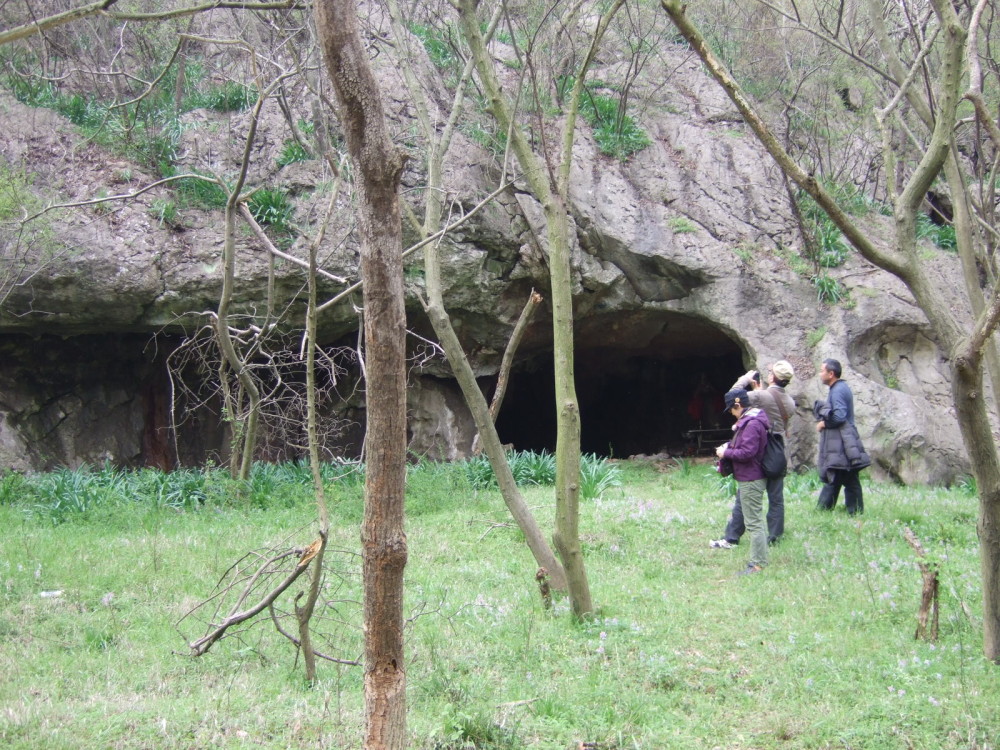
x=483 y=416
x=551 y=190
x=491 y=443
x=378 y=166
x=245 y=433
x=567 y=534
x=305 y=612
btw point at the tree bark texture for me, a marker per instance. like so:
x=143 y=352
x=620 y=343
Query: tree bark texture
x=378 y=166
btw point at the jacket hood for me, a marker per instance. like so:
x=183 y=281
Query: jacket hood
x=758 y=414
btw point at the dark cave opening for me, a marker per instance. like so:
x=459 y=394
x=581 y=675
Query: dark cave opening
x=637 y=395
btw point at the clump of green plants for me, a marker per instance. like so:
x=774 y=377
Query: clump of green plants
x=291 y=152
x=461 y=730
x=486 y=136
x=181 y=489
x=15 y=194
x=681 y=225
x=226 y=97
x=814 y=337
x=12 y=487
x=528 y=468
x=164 y=211
x=597 y=475
x=828 y=289
x=66 y=494
x=616 y=132
x=744 y=251
x=831 y=249
x=942 y=235
x=199 y=192
x=271 y=207
x=438 y=46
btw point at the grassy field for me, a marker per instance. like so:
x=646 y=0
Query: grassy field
x=817 y=652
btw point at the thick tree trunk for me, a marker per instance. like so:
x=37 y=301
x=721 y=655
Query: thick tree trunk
x=973 y=420
x=378 y=166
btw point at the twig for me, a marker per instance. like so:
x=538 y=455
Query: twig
x=203 y=644
x=294 y=640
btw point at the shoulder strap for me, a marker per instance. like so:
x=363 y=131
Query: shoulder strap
x=781 y=408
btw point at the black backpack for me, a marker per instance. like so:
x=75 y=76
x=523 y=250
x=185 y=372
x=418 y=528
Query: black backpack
x=774 y=463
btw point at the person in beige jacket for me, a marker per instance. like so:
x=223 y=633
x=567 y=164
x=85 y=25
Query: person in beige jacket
x=779 y=408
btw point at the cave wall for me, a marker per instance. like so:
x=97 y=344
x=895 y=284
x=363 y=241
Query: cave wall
x=84 y=399
x=684 y=253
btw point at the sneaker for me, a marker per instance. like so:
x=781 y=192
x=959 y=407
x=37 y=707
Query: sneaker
x=721 y=544
x=750 y=569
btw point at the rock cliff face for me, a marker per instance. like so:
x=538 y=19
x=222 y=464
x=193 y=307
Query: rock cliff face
x=683 y=274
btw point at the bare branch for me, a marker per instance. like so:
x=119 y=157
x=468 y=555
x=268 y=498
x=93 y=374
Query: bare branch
x=269 y=246
x=203 y=644
x=424 y=242
x=51 y=22
x=205 y=7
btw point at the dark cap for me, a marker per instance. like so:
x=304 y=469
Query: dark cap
x=736 y=396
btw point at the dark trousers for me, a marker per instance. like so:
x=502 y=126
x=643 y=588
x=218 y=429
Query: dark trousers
x=850 y=480
x=775 y=513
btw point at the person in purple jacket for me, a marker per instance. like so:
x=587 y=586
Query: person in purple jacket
x=746 y=451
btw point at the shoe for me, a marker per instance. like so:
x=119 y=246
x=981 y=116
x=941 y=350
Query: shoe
x=721 y=544
x=750 y=570
x=771 y=541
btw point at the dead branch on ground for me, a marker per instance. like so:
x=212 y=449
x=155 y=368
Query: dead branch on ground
x=256 y=583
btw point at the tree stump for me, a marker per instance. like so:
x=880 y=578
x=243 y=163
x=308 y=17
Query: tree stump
x=929 y=594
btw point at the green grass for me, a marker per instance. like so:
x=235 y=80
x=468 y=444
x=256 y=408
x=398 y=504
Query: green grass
x=818 y=652
x=271 y=207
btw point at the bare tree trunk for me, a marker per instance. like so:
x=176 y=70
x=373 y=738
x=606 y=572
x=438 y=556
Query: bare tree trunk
x=552 y=191
x=378 y=166
x=245 y=433
x=482 y=415
x=305 y=612
x=567 y=534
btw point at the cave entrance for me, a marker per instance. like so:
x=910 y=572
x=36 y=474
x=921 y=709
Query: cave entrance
x=643 y=382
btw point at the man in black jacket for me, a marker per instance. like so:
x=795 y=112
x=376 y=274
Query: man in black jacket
x=841 y=454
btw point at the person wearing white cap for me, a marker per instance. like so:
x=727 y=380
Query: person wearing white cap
x=779 y=408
